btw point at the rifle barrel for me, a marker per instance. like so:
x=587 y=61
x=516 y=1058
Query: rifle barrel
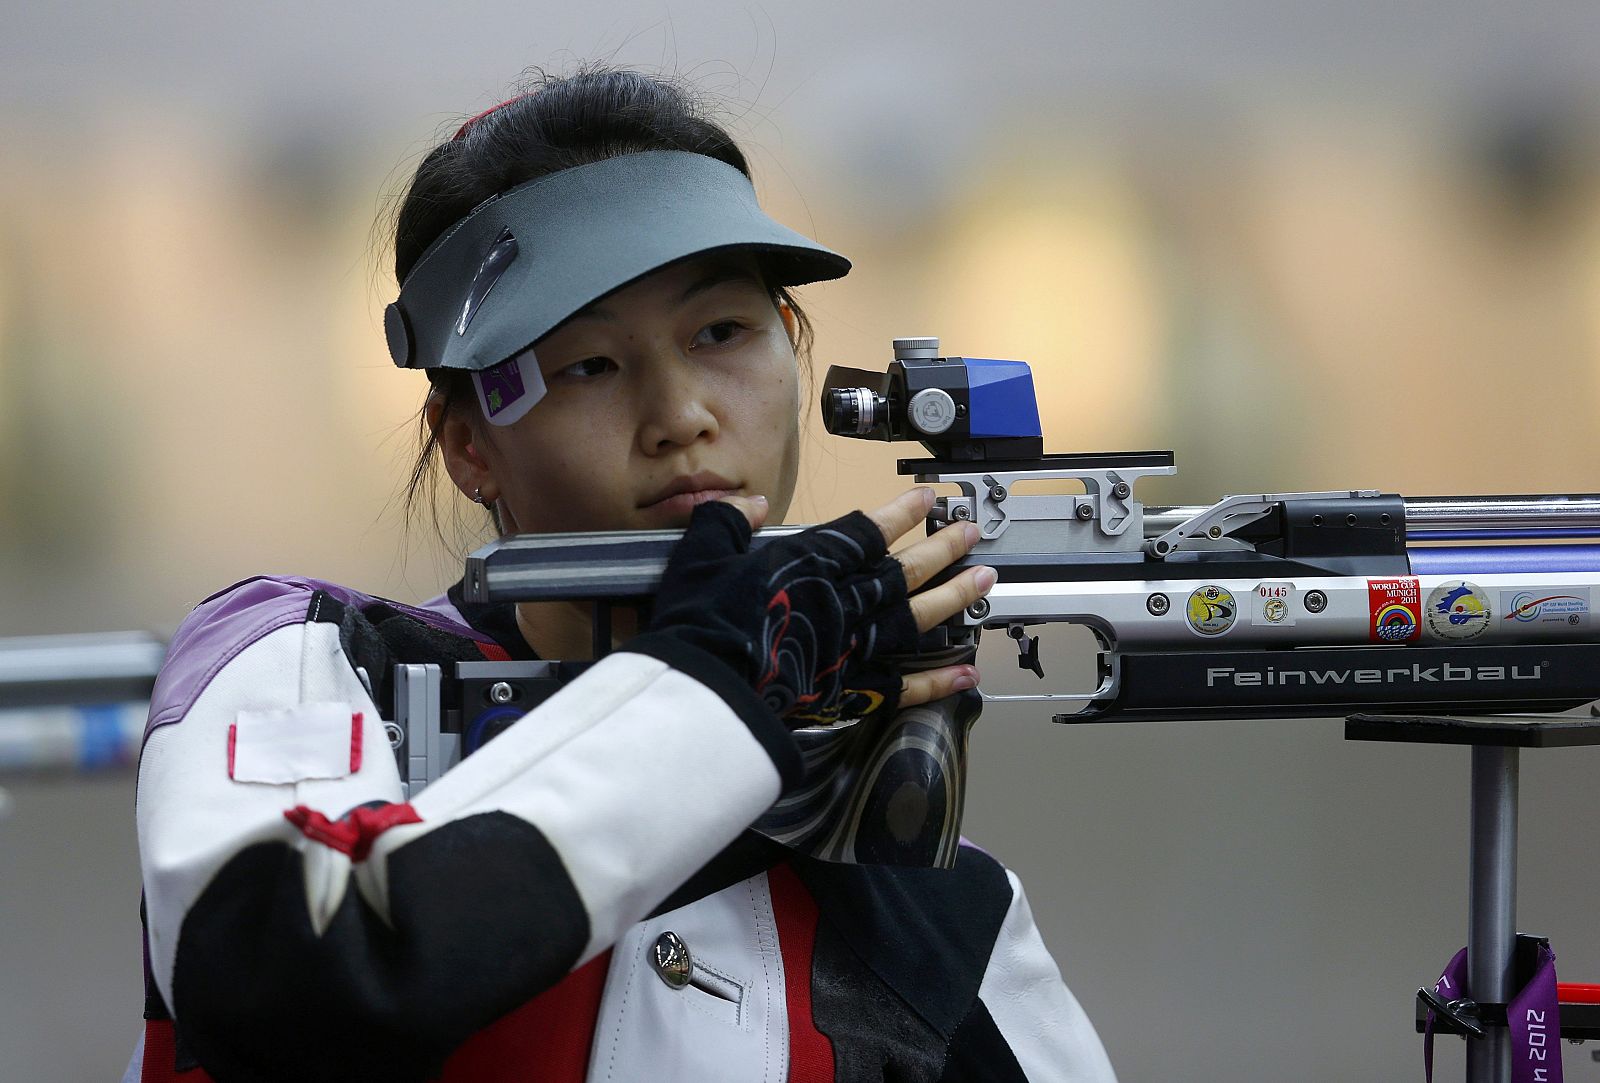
x=1461 y=518
x=626 y=566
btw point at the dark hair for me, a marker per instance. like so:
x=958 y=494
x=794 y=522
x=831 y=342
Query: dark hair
x=557 y=122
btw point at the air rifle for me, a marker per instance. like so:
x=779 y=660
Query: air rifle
x=1258 y=605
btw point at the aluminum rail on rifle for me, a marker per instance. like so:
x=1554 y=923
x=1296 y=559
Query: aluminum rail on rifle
x=1258 y=605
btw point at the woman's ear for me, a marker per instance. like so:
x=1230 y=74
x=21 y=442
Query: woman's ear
x=463 y=459
x=791 y=325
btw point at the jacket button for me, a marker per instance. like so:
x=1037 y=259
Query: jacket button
x=670 y=957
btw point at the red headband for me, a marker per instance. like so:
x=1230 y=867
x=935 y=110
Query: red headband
x=461 y=131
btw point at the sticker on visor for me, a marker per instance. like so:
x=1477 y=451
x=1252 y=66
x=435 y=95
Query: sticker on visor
x=508 y=390
x=501 y=255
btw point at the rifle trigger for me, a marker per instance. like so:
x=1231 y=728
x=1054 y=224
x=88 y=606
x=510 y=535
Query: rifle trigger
x=1027 y=650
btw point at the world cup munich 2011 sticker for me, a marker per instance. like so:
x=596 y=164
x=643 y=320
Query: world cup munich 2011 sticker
x=1564 y=607
x=1395 y=606
x=1211 y=610
x=1457 y=609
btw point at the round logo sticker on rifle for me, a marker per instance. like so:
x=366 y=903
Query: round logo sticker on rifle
x=1457 y=610
x=1211 y=610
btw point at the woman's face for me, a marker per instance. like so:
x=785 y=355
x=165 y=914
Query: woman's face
x=672 y=391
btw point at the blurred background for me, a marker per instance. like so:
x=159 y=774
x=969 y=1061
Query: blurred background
x=1305 y=245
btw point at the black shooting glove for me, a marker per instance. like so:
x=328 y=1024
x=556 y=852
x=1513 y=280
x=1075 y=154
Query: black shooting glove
x=811 y=621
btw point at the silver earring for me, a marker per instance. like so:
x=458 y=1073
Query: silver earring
x=477 y=496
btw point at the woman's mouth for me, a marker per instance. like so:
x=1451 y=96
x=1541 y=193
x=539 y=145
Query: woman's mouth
x=686 y=492
x=681 y=504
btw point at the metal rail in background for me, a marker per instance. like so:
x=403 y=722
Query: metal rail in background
x=108 y=667
x=72 y=703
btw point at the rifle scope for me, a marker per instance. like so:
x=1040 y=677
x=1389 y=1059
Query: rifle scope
x=959 y=408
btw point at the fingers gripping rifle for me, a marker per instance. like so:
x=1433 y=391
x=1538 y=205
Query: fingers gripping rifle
x=1259 y=605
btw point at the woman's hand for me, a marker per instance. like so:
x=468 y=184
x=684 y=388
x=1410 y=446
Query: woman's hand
x=921 y=561
x=814 y=621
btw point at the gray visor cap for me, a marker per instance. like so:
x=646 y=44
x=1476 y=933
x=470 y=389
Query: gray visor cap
x=523 y=262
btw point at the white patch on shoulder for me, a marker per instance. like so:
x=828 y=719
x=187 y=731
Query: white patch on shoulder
x=293 y=744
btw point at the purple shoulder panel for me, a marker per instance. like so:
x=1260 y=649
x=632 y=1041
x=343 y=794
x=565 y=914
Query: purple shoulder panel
x=437 y=612
x=214 y=633
x=441 y=608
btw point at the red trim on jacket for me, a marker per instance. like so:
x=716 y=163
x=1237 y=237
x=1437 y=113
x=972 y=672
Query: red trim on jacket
x=354 y=833
x=160 y=1053
x=549 y=1036
x=355 y=742
x=552 y=1033
x=810 y=1051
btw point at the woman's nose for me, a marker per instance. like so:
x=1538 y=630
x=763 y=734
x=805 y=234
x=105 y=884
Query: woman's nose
x=676 y=408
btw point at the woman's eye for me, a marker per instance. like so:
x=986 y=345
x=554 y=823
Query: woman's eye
x=719 y=333
x=589 y=366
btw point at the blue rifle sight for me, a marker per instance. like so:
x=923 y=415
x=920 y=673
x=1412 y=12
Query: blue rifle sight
x=962 y=409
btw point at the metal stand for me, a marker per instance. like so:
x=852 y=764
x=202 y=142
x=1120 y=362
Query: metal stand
x=1492 y=906
x=1492 y=861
